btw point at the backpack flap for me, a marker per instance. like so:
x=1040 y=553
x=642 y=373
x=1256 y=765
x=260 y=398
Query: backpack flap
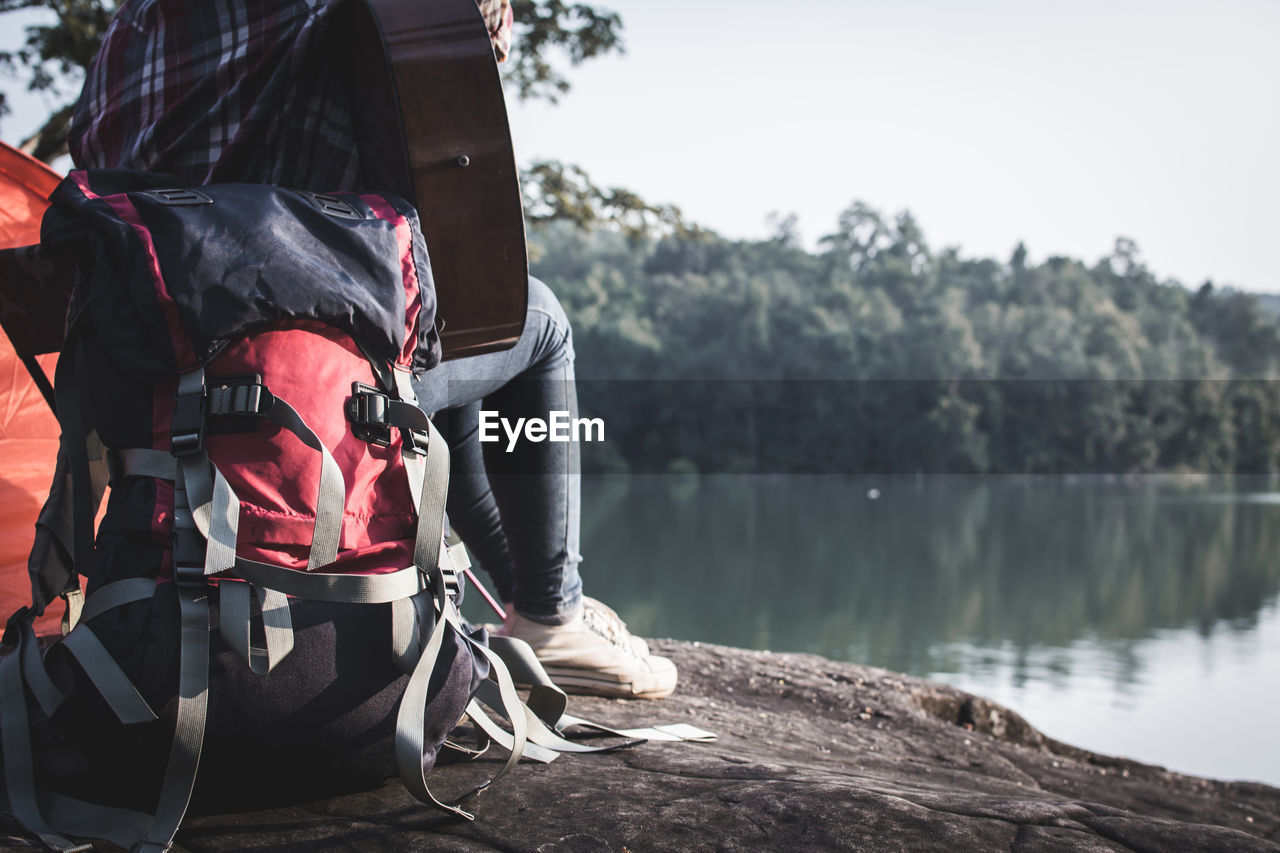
x=174 y=274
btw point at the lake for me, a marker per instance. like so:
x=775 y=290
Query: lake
x=1131 y=617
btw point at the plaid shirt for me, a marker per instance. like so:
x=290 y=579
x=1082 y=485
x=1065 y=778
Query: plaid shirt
x=227 y=90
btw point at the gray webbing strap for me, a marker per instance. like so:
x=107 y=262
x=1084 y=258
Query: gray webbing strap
x=404 y=385
x=435 y=489
x=503 y=738
x=546 y=699
x=215 y=509
x=147 y=462
x=193 y=699
x=184 y=524
x=509 y=700
x=234 y=622
x=548 y=702
x=415 y=472
x=430 y=487
x=413 y=464
x=538 y=731
x=411 y=725
x=331 y=496
x=668 y=733
x=234 y=618
x=410 y=617
x=117 y=594
x=19 y=766
x=121 y=827
x=42 y=687
x=405 y=645
x=277 y=625
x=340 y=588
x=107 y=676
x=410 y=722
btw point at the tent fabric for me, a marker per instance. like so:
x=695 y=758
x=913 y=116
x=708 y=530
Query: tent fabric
x=25 y=185
x=28 y=430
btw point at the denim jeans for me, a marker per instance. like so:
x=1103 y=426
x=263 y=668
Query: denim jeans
x=517 y=510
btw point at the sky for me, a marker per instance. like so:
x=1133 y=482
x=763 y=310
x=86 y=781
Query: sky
x=1062 y=125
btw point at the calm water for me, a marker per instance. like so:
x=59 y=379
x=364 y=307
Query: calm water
x=1140 y=619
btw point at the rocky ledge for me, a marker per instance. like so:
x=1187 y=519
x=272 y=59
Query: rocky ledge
x=812 y=755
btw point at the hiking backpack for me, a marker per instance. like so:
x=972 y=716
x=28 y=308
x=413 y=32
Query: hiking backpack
x=237 y=367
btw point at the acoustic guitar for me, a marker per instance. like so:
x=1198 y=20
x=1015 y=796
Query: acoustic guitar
x=433 y=129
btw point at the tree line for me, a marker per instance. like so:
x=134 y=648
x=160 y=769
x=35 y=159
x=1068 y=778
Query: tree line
x=877 y=354
x=872 y=354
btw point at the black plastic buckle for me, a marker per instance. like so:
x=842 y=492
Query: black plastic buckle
x=189 y=575
x=367 y=410
x=237 y=403
x=332 y=205
x=188 y=544
x=239 y=396
x=448 y=577
x=188 y=550
x=187 y=426
x=416 y=440
x=178 y=197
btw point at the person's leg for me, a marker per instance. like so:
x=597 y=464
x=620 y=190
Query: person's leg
x=517 y=507
x=530 y=546
x=471 y=507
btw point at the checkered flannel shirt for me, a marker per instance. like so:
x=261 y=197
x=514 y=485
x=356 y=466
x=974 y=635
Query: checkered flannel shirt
x=207 y=92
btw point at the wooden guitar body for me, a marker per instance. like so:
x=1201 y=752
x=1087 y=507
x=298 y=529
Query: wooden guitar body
x=433 y=128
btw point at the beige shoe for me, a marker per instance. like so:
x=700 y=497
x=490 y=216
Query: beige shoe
x=594 y=653
x=610 y=624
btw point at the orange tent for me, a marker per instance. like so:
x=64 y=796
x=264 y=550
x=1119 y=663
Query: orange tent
x=28 y=429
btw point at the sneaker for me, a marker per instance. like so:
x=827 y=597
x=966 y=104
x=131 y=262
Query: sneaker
x=594 y=653
x=610 y=624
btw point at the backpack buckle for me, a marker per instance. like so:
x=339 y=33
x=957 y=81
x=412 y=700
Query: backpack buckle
x=367 y=410
x=239 y=396
x=331 y=205
x=416 y=440
x=187 y=426
x=449 y=573
x=178 y=197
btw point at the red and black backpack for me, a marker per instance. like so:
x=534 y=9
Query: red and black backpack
x=237 y=368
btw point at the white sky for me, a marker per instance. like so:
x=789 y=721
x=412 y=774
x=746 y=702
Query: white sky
x=1061 y=124
x=993 y=121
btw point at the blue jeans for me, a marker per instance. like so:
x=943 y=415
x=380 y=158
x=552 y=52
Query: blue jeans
x=517 y=510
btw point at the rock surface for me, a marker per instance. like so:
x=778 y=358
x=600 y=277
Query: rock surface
x=813 y=755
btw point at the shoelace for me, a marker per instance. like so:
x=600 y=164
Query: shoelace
x=608 y=627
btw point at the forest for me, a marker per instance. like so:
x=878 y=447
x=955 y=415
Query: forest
x=877 y=354
x=872 y=354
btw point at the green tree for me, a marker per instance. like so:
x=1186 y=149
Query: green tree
x=546 y=28
x=56 y=53
x=879 y=354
